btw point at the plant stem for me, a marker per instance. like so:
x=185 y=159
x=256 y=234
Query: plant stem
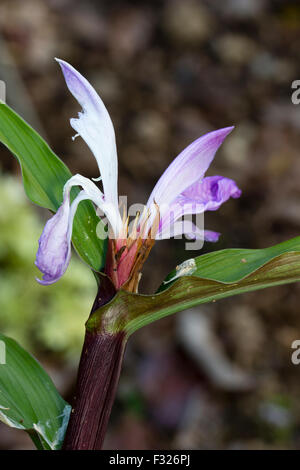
x=98 y=376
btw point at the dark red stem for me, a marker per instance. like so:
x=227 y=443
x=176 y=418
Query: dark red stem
x=98 y=376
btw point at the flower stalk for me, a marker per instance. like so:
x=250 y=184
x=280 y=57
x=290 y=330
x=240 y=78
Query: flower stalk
x=98 y=377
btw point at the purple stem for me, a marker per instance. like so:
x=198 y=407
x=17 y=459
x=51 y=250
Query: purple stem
x=98 y=376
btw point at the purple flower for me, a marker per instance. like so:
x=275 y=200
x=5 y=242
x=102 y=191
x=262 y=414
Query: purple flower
x=181 y=190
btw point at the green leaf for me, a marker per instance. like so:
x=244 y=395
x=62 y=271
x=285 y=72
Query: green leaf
x=207 y=278
x=232 y=265
x=28 y=397
x=44 y=176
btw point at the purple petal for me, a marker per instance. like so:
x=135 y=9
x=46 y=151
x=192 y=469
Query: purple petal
x=190 y=230
x=211 y=192
x=95 y=127
x=190 y=166
x=53 y=255
x=54 y=251
x=207 y=235
x=181 y=227
x=210 y=236
x=207 y=194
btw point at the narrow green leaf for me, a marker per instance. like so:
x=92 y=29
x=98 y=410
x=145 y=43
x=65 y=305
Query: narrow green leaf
x=204 y=279
x=44 y=176
x=29 y=399
x=230 y=265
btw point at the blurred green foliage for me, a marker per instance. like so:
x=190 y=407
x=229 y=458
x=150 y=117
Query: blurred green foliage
x=51 y=318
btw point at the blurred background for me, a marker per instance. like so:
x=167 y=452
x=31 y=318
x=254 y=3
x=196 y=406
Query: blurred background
x=218 y=376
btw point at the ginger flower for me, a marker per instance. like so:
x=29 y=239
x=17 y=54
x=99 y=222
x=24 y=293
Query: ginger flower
x=182 y=189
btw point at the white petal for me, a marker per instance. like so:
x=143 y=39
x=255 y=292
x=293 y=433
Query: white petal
x=92 y=192
x=95 y=127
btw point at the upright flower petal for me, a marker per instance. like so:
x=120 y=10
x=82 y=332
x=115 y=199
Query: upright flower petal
x=190 y=166
x=95 y=127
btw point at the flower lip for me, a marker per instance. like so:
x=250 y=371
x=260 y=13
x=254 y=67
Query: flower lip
x=211 y=192
x=188 y=167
